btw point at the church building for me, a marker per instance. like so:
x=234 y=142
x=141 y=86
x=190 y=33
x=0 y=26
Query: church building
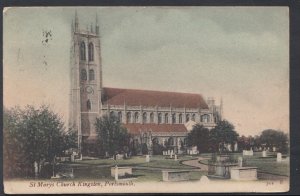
x=150 y=116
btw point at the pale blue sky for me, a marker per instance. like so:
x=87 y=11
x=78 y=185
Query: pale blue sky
x=240 y=54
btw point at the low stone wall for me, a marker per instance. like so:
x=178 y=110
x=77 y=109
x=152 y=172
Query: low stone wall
x=175 y=175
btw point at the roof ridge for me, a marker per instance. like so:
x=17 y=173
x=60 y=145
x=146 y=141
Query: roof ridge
x=153 y=91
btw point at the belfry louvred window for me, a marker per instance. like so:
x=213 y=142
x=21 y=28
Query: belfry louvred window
x=82 y=51
x=91 y=52
x=83 y=74
x=91 y=74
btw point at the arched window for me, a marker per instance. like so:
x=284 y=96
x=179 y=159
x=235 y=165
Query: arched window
x=91 y=52
x=166 y=118
x=180 y=118
x=144 y=117
x=159 y=118
x=128 y=117
x=91 y=74
x=151 y=118
x=193 y=117
x=205 y=118
x=187 y=118
x=83 y=75
x=120 y=116
x=173 y=118
x=82 y=51
x=136 y=117
x=88 y=105
x=171 y=141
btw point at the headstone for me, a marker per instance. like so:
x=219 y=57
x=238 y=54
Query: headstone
x=235 y=147
x=175 y=157
x=274 y=149
x=204 y=179
x=250 y=153
x=244 y=152
x=169 y=152
x=171 y=156
x=147 y=158
x=72 y=157
x=240 y=161
x=243 y=173
x=264 y=153
x=116 y=173
x=279 y=157
x=36 y=168
x=106 y=154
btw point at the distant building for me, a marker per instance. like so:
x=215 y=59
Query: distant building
x=151 y=116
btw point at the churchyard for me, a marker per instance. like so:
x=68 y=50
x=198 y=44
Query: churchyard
x=155 y=169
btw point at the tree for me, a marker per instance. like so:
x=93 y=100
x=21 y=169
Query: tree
x=199 y=136
x=112 y=136
x=222 y=134
x=31 y=135
x=274 y=138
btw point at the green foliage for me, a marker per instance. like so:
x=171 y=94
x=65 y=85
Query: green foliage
x=199 y=136
x=223 y=133
x=31 y=135
x=112 y=136
x=274 y=138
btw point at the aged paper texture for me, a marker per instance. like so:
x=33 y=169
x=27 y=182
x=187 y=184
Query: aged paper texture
x=146 y=99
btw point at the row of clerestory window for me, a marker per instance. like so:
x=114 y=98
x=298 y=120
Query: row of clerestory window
x=134 y=117
x=83 y=51
x=83 y=74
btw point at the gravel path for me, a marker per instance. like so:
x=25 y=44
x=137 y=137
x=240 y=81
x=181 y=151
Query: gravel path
x=195 y=163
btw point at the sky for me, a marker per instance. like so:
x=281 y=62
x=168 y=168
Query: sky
x=239 y=54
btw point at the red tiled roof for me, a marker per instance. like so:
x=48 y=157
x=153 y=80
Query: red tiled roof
x=131 y=97
x=134 y=128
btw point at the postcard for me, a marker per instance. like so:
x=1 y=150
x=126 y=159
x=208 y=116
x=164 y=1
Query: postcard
x=146 y=99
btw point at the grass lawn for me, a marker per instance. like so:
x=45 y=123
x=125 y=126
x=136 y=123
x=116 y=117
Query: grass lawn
x=156 y=161
x=268 y=165
x=100 y=168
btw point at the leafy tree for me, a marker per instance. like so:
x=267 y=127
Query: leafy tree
x=199 y=136
x=222 y=134
x=112 y=136
x=274 y=138
x=31 y=135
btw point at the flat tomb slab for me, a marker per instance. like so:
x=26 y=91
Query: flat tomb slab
x=175 y=175
x=243 y=173
x=122 y=171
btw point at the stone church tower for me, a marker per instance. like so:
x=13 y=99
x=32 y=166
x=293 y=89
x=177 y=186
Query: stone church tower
x=86 y=80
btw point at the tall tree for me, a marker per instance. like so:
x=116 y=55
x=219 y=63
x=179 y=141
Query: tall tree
x=199 y=136
x=32 y=135
x=274 y=138
x=222 y=134
x=112 y=136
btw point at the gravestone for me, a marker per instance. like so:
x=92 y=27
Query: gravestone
x=169 y=152
x=235 y=147
x=116 y=173
x=147 y=158
x=240 y=161
x=72 y=158
x=274 y=149
x=204 y=179
x=243 y=173
x=175 y=157
x=279 y=157
x=36 y=168
x=264 y=153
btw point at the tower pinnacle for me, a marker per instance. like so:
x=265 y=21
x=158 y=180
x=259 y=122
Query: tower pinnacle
x=97 y=25
x=76 y=21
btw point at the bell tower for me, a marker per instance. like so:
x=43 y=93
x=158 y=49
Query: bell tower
x=86 y=82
